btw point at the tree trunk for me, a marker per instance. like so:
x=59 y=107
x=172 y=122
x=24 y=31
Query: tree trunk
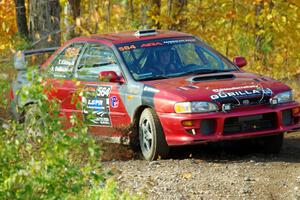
x=131 y=9
x=75 y=7
x=108 y=12
x=155 y=11
x=176 y=12
x=232 y=21
x=21 y=18
x=170 y=2
x=144 y=8
x=258 y=27
x=44 y=22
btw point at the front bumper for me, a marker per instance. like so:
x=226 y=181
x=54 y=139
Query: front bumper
x=239 y=123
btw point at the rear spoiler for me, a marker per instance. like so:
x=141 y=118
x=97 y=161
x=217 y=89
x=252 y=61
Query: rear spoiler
x=19 y=57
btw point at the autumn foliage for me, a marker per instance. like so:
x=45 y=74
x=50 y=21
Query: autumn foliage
x=266 y=32
x=8 y=23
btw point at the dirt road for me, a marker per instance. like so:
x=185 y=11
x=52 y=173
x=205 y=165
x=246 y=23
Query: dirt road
x=222 y=171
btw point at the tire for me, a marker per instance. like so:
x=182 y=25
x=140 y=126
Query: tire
x=270 y=144
x=151 y=136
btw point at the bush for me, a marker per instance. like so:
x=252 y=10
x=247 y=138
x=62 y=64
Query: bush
x=40 y=159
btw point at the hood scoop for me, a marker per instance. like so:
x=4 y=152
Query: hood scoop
x=212 y=77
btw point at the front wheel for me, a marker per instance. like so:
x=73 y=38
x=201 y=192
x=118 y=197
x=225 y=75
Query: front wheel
x=151 y=136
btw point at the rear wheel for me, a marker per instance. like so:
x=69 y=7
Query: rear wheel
x=270 y=144
x=151 y=137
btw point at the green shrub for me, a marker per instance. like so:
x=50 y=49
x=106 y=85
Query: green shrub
x=40 y=159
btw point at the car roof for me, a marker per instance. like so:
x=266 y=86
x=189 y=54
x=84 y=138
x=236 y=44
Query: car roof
x=130 y=36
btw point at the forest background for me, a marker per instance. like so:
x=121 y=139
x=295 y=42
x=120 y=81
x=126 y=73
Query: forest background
x=266 y=32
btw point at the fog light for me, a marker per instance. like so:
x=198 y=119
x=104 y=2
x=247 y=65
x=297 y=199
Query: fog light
x=226 y=107
x=273 y=101
x=188 y=123
x=296 y=111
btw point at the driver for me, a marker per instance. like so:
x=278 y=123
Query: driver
x=165 y=63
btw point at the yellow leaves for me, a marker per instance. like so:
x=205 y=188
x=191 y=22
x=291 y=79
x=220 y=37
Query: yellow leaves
x=63 y=3
x=261 y=32
x=283 y=19
x=279 y=58
x=269 y=16
x=256 y=2
x=95 y=16
x=250 y=17
x=7 y=17
x=49 y=39
x=78 y=22
x=2 y=46
x=231 y=14
x=294 y=2
x=3 y=26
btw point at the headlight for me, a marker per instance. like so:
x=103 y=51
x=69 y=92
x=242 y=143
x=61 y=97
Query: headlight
x=284 y=97
x=195 y=107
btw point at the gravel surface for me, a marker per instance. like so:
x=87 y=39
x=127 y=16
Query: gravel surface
x=214 y=171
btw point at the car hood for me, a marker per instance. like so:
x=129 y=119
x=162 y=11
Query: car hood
x=221 y=87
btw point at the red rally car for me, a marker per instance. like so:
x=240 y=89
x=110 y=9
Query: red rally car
x=159 y=89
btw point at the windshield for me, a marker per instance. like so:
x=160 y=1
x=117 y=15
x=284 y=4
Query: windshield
x=171 y=57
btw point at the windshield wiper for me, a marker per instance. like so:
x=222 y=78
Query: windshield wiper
x=155 y=77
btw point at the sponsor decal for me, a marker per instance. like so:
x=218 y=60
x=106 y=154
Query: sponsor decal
x=242 y=93
x=151 y=44
x=62 y=68
x=114 y=102
x=65 y=62
x=96 y=105
x=179 y=41
x=127 y=47
x=236 y=88
x=151 y=89
x=71 y=52
x=131 y=46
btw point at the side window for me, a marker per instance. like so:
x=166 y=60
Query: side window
x=63 y=64
x=95 y=59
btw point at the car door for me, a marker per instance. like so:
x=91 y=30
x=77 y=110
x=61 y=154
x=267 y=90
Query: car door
x=59 y=80
x=103 y=107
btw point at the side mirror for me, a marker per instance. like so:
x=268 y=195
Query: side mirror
x=111 y=76
x=240 y=61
